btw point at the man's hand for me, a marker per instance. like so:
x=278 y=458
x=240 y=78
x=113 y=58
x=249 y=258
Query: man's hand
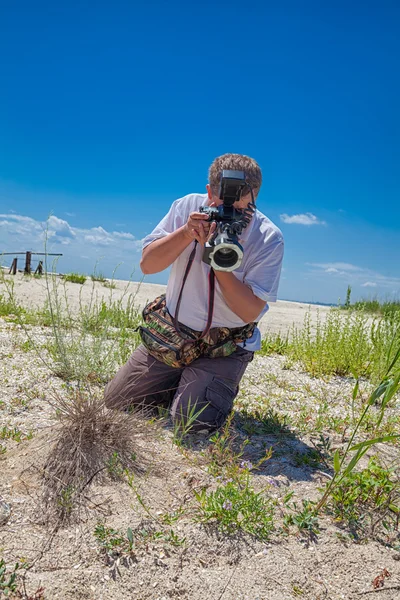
x=198 y=228
x=161 y=253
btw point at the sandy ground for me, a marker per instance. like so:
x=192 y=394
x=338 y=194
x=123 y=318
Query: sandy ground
x=33 y=292
x=68 y=562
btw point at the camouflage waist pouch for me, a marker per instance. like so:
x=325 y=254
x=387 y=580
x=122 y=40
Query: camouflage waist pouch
x=179 y=349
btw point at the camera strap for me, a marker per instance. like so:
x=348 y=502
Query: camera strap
x=211 y=293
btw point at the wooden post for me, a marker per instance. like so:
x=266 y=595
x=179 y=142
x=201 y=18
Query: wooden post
x=13 y=268
x=39 y=268
x=28 y=263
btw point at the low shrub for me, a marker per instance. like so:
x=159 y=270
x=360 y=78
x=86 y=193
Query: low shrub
x=74 y=277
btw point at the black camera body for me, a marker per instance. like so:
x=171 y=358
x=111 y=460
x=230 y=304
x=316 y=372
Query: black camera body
x=223 y=252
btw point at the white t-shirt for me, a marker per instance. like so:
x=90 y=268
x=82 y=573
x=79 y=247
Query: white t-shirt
x=260 y=269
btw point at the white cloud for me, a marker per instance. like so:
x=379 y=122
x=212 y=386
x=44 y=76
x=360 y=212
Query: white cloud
x=124 y=236
x=355 y=274
x=19 y=233
x=302 y=219
x=58 y=229
x=336 y=266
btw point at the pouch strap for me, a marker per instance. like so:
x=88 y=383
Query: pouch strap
x=211 y=293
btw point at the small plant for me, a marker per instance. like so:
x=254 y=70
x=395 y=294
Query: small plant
x=114 y=542
x=98 y=277
x=274 y=344
x=305 y=518
x=224 y=453
x=92 y=440
x=368 y=500
x=264 y=422
x=27 y=346
x=310 y=459
x=235 y=506
x=66 y=500
x=297 y=590
x=170 y=537
x=184 y=423
x=383 y=393
x=15 y=434
x=115 y=466
x=75 y=278
x=348 y=297
x=7 y=581
x=324 y=450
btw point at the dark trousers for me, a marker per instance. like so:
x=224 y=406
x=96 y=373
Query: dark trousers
x=208 y=385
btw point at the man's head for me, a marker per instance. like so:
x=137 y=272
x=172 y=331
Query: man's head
x=234 y=162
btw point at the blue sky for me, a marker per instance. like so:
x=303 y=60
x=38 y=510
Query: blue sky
x=110 y=111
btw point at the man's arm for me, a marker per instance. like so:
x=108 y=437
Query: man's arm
x=161 y=253
x=239 y=297
x=248 y=298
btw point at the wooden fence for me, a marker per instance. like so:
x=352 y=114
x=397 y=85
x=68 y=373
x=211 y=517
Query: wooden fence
x=28 y=261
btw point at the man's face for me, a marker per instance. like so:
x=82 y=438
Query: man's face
x=239 y=205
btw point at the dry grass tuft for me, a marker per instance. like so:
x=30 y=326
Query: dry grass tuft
x=93 y=443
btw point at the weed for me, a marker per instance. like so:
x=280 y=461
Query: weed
x=91 y=344
x=65 y=500
x=384 y=392
x=98 y=277
x=7 y=581
x=344 y=344
x=264 y=422
x=310 y=459
x=324 y=449
x=369 y=500
x=115 y=466
x=373 y=305
x=75 y=278
x=184 y=423
x=27 y=346
x=274 y=344
x=15 y=434
x=114 y=541
x=297 y=590
x=235 y=506
x=304 y=518
x=91 y=441
x=223 y=453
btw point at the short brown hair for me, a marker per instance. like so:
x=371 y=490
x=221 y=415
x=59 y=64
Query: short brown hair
x=235 y=162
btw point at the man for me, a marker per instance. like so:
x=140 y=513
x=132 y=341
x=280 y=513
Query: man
x=206 y=387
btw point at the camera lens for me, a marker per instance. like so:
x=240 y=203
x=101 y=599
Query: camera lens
x=225 y=257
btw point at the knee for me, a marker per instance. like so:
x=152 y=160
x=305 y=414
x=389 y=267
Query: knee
x=112 y=399
x=208 y=412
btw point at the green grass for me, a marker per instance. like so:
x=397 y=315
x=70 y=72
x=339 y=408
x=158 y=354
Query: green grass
x=14 y=433
x=375 y=306
x=235 y=506
x=88 y=344
x=98 y=277
x=7 y=306
x=368 y=501
x=346 y=344
x=74 y=277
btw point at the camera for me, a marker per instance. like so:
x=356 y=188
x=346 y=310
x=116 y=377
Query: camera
x=223 y=251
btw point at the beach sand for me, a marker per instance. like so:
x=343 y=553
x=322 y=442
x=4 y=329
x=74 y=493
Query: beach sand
x=32 y=292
